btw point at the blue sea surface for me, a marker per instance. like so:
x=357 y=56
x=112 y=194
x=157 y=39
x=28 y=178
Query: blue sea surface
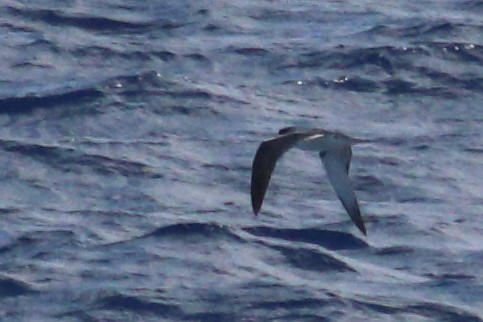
x=127 y=132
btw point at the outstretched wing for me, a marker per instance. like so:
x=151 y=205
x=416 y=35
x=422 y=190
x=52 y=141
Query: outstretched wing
x=264 y=162
x=336 y=165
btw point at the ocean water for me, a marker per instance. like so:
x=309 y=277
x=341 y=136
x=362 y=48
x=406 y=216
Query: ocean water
x=127 y=132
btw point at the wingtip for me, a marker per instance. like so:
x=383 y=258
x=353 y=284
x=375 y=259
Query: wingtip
x=256 y=204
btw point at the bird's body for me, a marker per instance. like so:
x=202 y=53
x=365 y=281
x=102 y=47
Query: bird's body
x=334 y=150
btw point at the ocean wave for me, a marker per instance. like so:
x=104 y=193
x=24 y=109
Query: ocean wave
x=10 y=287
x=25 y=104
x=73 y=160
x=207 y=231
x=79 y=20
x=127 y=137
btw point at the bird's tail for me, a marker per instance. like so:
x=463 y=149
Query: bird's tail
x=359 y=141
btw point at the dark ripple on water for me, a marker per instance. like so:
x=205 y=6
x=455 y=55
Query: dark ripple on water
x=127 y=132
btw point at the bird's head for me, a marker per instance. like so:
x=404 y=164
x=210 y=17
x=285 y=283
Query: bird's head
x=287 y=130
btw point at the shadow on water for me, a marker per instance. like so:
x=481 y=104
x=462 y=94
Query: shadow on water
x=313 y=260
x=333 y=240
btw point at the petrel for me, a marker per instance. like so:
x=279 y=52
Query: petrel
x=335 y=153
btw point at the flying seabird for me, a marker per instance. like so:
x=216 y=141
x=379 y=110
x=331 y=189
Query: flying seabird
x=335 y=153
